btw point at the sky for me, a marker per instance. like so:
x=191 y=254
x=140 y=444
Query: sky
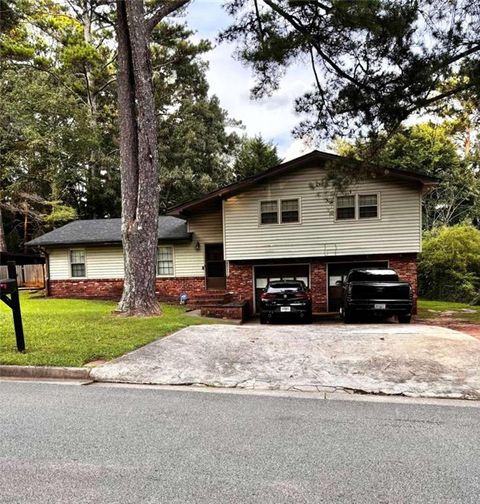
x=273 y=117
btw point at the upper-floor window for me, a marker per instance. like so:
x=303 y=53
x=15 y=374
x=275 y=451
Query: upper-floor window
x=357 y=206
x=345 y=207
x=77 y=263
x=269 y=212
x=276 y=211
x=165 y=261
x=367 y=206
x=290 y=210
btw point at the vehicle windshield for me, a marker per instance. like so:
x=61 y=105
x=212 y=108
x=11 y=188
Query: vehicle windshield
x=274 y=287
x=373 y=275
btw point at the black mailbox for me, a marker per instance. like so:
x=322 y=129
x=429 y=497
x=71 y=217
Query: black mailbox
x=8 y=286
x=9 y=295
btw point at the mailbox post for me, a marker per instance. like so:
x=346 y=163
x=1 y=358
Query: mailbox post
x=9 y=295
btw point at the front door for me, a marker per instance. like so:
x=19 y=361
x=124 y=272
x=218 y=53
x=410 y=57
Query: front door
x=214 y=266
x=337 y=272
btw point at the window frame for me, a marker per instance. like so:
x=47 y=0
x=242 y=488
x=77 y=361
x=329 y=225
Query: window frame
x=357 y=206
x=167 y=275
x=298 y=210
x=278 y=201
x=70 y=263
x=349 y=219
x=369 y=193
x=260 y=213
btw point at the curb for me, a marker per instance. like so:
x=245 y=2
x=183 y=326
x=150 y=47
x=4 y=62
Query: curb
x=58 y=373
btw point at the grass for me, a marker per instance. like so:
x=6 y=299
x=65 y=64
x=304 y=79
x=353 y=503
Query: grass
x=438 y=307
x=72 y=332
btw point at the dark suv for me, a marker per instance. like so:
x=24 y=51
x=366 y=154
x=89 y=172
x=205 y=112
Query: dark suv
x=283 y=298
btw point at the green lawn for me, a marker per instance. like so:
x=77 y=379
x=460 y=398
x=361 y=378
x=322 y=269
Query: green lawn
x=71 y=332
x=461 y=311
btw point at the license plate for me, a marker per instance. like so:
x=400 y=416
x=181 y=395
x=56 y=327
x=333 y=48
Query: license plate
x=285 y=308
x=380 y=306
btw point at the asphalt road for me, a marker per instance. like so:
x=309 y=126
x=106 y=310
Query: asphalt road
x=91 y=444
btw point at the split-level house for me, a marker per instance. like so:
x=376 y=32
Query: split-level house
x=278 y=224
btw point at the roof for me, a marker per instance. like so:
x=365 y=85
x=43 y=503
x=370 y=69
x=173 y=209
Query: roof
x=102 y=231
x=309 y=159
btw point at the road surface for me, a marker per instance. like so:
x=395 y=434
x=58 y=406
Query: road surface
x=99 y=444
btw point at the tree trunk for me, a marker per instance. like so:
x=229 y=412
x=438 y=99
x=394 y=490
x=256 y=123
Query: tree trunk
x=138 y=161
x=3 y=242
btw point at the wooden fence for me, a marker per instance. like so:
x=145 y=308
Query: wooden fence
x=29 y=276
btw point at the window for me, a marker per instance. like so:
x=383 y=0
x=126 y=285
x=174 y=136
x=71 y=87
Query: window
x=77 y=263
x=290 y=210
x=165 y=261
x=345 y=207
x=269 y=212
x=367 y=206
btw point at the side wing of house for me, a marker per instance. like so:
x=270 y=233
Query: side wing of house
x=98 y=270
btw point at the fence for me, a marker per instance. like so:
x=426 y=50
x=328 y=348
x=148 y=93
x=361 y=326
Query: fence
x=29 y=276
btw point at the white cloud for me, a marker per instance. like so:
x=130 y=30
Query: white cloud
x=273 y=117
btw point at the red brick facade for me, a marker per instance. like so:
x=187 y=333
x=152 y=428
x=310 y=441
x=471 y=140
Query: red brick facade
x=318 y=286
x=239 y=282
x=111 y=288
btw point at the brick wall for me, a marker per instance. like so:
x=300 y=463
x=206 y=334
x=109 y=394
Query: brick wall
x=318 y=283
x=406 y=267
x=240 y=282
x=166 y=288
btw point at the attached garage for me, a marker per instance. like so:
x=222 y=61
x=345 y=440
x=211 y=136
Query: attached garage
x=337 y=273
x=265 y=274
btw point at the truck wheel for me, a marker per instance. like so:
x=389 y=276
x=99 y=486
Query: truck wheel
x=404 y=319
x=347 y=316
x=263 y=318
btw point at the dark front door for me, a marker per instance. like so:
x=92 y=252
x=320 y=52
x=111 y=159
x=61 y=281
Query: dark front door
x=214 y=266
x=337 y=272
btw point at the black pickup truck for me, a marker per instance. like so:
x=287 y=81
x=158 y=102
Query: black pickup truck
x=376 y=291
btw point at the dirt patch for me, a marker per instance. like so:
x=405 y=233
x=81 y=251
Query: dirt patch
x=470 y=328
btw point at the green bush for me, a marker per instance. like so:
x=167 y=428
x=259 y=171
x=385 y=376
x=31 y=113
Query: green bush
x=449 y=266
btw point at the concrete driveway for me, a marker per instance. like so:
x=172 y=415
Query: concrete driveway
x=414 y=360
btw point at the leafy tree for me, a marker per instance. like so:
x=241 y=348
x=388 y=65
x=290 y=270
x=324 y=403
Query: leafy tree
x=431 y=149
x=254 y=155
x=449 y=266
x=374 y=62
x=196 y=152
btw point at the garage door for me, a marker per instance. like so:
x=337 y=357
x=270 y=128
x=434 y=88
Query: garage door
x=337 y=273
x=265 y=274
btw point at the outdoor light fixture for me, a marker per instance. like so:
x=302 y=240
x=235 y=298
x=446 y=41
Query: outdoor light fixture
x=197 y=245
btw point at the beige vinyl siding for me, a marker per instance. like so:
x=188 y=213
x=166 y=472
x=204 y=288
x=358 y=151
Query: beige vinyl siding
x=58 y=264
x=206 y=228
x=318 y=233
x=100 y=262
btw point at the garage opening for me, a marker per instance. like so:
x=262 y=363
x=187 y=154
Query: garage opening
x=337 y=273
x=265 y=274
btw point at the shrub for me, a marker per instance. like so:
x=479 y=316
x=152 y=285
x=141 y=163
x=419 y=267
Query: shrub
x=449 y=266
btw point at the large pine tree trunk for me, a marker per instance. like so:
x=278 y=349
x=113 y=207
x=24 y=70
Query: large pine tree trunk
x=138 y=160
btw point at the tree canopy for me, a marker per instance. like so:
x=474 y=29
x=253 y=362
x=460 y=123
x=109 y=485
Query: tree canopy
x=59 y=147
x=374 y=62
x=437 y=150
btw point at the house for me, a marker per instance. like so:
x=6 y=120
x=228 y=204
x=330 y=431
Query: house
x=226 y=245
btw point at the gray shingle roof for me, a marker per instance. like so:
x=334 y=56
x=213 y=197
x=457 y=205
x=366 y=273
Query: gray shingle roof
x=97 y=231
